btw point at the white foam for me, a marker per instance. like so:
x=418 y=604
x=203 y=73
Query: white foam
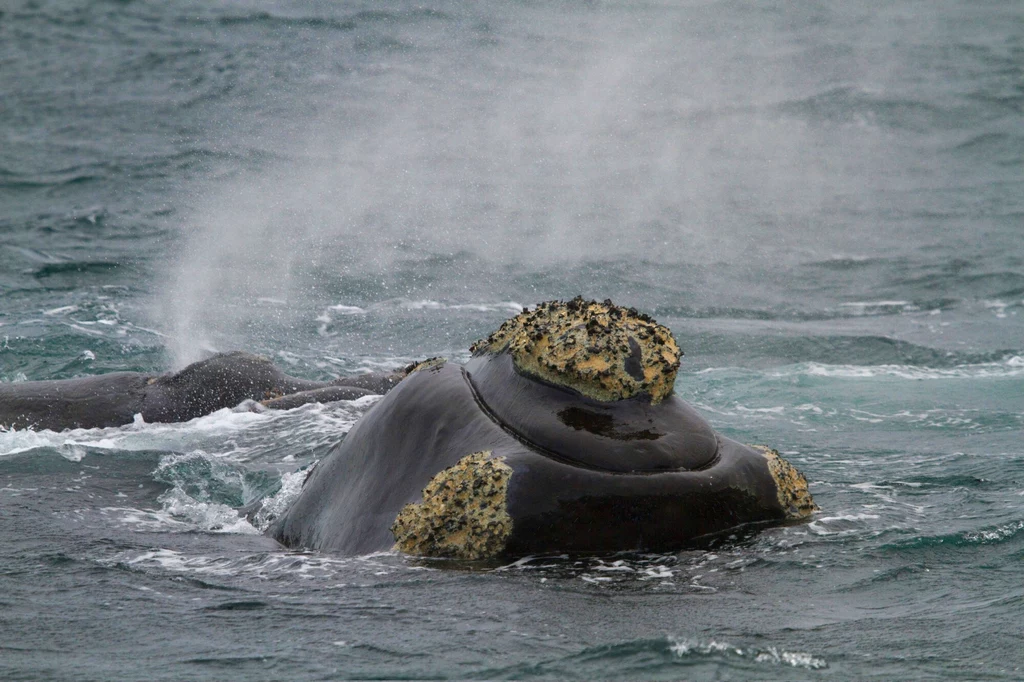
x=80 y=328
x=274 y=506
x=997 y=307
x=875 y=304
x=656 y=572
x=1011 y=367
x=685 y=647
x=426 y=304
x=507 y=306
x=239 y=432
x=805 y=414
x=771 y=655
x=595 y=579
x=761 y=410
x=995 y=534
x=63 y=310
x=347 y=309
x=614 y=567
x=295 y=565
x=327 y=317
x=821 y=525
x=211 y=517
x=878 y=307
x=846 y=517
x=145 y=520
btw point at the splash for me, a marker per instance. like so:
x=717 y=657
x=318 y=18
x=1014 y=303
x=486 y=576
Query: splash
x=687 y=647
x=537 y=149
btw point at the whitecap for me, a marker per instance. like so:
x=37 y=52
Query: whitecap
x=772 y=655
x=427 y=304
x=1011 y=367
x=347 y=309
x=762 y=410
x=274 y=505
x=997 y=307
x=62 y=310
x=994 y=534
x=211 y=517
x=239 y=432
x=296 y=565
x=878 y=307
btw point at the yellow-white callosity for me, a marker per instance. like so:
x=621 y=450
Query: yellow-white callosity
x=601 y=350
x=429 y=363
x=463 y=514
x=794 y=497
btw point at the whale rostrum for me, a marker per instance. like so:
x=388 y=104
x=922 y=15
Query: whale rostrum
x=561 y=434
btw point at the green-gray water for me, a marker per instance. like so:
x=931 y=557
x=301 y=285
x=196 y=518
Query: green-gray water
x=824 y=203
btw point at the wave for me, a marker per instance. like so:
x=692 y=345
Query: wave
x=181 y=514
x=769 y=654
x=280 y=565
x=77 y=268
x=504 y=306
x=63 y=177
x=991 y=535
x=221 y=473
x=844 y=263
x=1009 y=366
x=343 y=23
x=238 y=434
x=842 y=311
x=859 y=106
x=268 y=19
x=993 y=145
x=626 y=570
x=643 y=658
x=335 y=313
x=980 y=285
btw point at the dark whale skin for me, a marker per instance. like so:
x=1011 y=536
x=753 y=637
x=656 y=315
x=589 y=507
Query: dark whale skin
x=625 y=436
x=425 y=424
x=224 y=380
x=434 y=418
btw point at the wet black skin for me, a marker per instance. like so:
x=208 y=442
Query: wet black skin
x=623 y=436
x=224 y=380
x=587 y=476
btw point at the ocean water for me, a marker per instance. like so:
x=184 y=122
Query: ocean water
x=825 y=203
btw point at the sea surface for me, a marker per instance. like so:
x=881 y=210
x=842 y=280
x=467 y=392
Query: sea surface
x=823 y=201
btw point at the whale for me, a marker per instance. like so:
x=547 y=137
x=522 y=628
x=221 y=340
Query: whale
x=224 y=380
x=562 y=433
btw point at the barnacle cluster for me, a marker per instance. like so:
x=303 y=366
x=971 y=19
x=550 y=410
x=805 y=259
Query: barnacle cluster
x=463 y=514
x=429 y=363
x=602 y=350
x=794 y=497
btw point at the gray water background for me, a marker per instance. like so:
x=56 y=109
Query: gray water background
x=825 y=203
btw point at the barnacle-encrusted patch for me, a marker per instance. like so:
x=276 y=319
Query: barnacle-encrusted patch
x=463 y=514
x=794 y=497
x=429 y=363
x=602 y=350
